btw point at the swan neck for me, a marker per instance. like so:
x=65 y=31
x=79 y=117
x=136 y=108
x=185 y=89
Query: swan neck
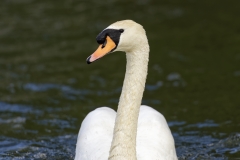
x=125 y=129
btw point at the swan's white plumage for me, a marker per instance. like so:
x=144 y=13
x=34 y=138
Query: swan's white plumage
x=133 y=132
x=154 y=140
x=95 y=135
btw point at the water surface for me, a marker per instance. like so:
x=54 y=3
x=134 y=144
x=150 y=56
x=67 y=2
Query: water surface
x=47 y=88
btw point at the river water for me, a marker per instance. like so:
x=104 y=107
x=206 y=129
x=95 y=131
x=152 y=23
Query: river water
x=47 y=88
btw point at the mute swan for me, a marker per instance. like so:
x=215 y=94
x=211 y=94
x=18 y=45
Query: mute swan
x=134 y=132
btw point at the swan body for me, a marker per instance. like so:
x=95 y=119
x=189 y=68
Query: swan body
x=154 y=140
x=134 y=131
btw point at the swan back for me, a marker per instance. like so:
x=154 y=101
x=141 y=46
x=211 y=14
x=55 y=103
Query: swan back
x=154 y=140
x=95 y=135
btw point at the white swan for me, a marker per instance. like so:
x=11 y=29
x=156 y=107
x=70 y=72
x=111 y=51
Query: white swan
x=134 y=132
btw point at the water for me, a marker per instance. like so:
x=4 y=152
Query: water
x=47 y=88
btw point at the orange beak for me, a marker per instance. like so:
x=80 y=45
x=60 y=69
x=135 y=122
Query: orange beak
x=102 y=50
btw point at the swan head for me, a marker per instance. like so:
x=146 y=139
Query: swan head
x=125 y=36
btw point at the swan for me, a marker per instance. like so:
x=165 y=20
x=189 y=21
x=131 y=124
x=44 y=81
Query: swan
x=136 y=131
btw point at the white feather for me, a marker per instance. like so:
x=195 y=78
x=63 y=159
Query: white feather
x=133 y=132
x=154 y=140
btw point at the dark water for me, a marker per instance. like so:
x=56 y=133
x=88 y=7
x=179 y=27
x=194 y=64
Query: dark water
x=47 y=88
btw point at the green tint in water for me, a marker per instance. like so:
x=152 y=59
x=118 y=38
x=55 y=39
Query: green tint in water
x=47 y=88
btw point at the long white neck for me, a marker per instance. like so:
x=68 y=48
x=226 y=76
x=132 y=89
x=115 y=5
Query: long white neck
x=125 y=131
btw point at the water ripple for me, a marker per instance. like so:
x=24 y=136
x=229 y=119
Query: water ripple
x=18 y=108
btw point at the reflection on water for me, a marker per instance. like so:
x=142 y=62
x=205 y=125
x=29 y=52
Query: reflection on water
x=206 y=147
x=47 y=88
x=190 y=144
x=61 y=147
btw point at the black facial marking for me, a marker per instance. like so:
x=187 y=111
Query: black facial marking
x=114 y=34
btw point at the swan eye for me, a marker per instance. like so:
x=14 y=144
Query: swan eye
x=104 y=43
x=121 y=30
